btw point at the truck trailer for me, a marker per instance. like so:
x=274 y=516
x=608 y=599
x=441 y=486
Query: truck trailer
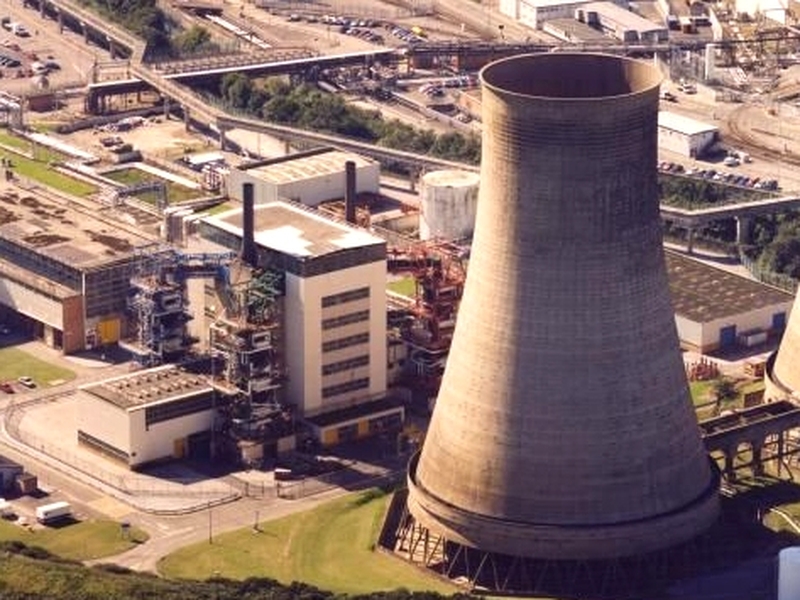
x=49 y=513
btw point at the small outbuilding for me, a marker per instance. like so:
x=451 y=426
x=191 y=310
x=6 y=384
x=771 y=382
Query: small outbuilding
x=148 y=416
x=684 y=135
x=718 y=310
x=10 y=471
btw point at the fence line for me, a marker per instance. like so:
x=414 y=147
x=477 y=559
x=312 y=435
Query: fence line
x=128 y=483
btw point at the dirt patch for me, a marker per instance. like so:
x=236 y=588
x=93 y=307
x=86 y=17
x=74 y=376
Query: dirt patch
x=114 y=243
x=41 y=240
x=7 y=216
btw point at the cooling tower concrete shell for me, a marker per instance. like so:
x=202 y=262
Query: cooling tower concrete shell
x=564 y=428
x=782 y=376
x=449 y=200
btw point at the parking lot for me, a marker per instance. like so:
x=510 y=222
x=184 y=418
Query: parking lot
x=63 y=58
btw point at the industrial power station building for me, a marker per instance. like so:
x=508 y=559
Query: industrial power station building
x=309 y=178
x=64 y=271
x=334 y=313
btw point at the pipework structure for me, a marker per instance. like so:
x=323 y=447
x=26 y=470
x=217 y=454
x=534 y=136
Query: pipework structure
x=564 y=429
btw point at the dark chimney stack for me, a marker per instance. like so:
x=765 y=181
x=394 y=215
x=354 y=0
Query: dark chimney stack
x=350 y=191
x=248 y=226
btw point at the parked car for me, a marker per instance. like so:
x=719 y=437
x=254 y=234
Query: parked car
x=6 y=387
x=28 y=382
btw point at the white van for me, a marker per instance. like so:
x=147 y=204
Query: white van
x=19 y=29
x=49 y=513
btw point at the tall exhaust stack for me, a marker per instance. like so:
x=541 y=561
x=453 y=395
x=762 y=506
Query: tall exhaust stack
x=248 y=225
x=350 y=191
x=564 y=427
x=782 y=376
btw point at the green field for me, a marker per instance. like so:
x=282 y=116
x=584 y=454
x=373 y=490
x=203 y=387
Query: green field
x=176 y=193
x=407 y=286
x=15 y=363
x=39 y=170
x=83 y=540
x=329 y=547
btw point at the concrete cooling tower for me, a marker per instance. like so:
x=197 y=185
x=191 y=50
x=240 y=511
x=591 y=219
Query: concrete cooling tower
x=564 y=427
x=782 y=377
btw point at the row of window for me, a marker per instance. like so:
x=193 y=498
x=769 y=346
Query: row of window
x=177 y=408
x=348 y=319
x=345 y=342
x=343 y=297
x=345 y=365
x=341 y=388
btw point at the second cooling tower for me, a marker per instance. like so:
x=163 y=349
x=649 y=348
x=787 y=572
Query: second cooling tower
x=564 y=427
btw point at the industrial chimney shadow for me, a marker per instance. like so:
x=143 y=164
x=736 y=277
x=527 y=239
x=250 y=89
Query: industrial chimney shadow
x=734 y=559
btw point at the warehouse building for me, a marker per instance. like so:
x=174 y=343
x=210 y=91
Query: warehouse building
x=309 y=178
x=684 y=135
x=718 y=310
x=64 y=272
x=149 y=416
x=534 y=13
x=621 y=23
x=334 y=331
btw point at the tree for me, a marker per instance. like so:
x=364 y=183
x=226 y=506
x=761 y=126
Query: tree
x=193 y=39
x=725 y=391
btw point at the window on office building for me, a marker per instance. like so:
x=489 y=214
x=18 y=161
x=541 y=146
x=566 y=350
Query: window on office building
x=343 y=297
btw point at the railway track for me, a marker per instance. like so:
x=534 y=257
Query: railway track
x=744 y=139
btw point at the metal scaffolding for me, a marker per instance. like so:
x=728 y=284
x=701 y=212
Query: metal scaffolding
x=157 y=302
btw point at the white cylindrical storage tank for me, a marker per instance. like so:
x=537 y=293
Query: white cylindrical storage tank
x=449 y=202
x=789 y=573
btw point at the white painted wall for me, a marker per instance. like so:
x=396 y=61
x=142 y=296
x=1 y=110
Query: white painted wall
x=685 y=145
x=158 y=441
x=304 y=335
x=104 y=421
x=757 y=319
x=310 y=191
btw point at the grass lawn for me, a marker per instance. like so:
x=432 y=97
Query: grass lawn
x=700 y=391
x=12 y=141
x=219 y=208
x=329 y=547
x=175 y=192
x=406 y=286
x=15 y=363
x=77 y=541
x=39 y=169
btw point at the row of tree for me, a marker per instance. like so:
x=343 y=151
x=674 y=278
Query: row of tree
x=308 y=107
x=775 y=239
x=145 y=19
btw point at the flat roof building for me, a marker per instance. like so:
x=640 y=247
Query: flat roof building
x=148 y=416
x=334 y=308
x=64 y=270
x=621 y=23
x=684 y=135
x=309 y=178
x=534 y=13
x=718 y=310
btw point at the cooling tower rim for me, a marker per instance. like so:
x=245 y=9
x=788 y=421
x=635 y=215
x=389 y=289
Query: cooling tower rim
x=655 y=78
x=599 y=541
x=711 y=489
